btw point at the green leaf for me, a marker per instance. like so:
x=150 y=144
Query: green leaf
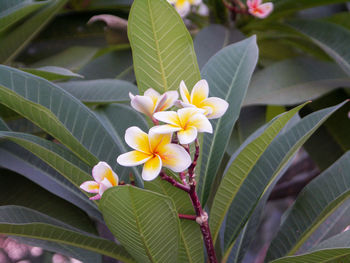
x=144 y=222
x=12 y=11
x=163 y=52
x=28 y=223
x=116 y=118
x=228 y=74
x=73 y=58
x=52 y=73
x=212 y=39
x=319 y=198
x=59 y=114
x=342 y=19
x=15 y=40
x=101 y=91
x=17 y=159
x=17 y=190
x=250 y=202
x=239 y=168
x=191 y=247
x=58 y=157
x=3 y=125
x=294 y=81
x=333 y=39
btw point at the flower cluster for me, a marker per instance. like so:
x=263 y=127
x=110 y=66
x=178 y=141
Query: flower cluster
x=165 y=145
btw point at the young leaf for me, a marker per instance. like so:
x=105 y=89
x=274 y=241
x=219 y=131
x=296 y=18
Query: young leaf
x=144 y=222
x=163 y=52
x=228 y=73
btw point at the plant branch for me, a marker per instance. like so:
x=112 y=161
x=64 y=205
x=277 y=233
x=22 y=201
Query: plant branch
x=188 y=217
x=175 y=183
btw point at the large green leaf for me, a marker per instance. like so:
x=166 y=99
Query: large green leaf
x=228 y=73
x=250 y=202
x=319 y=198
x=28 y=223
x=101 y=91
x=59 y=114
x=163 y=52
x=239 y=168
x=191 y=247
x=294 y=81
x=52 y=73
x=15 y=158
x=332 y=38
x=12 y=11
x=144 y=222
x=14 y=41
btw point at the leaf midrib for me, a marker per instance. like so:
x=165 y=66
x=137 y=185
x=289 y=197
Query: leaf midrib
x=157 y=47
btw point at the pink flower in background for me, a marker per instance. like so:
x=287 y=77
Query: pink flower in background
x=256 y=8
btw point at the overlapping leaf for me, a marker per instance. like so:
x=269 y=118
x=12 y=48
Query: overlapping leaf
x=228 y=73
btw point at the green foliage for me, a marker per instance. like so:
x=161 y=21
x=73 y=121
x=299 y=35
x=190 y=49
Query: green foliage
x=162 y=48
x=145 y=223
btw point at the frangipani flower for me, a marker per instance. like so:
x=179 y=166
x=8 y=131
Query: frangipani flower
x=256 y=8
x=104 y=178
x=183 y=7
x=212 y=107
x=154 y=151
x=152 y=101
x=187 y=122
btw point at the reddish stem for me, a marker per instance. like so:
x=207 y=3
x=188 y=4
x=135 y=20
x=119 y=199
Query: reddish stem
x=188 y=217
x=175 y=183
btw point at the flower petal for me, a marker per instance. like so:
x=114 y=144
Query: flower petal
x=90 y=187
x=185 y=95
x=183 y=8
x=187 y=136
x=168 y=117
x=143 y=104
x=133 y=158
x=171 y=96
x=185 y=115
x=152 y=168
x=152 y=94
x=137 y=139
x=105 y=184
x=175 y=157
x=219 y=107
x=158 y=140
x=160 y=102
x=263 y=10
x=100 y=171
x=165 y=129
x=201 y=123
x=195 y=2
x=199 y=92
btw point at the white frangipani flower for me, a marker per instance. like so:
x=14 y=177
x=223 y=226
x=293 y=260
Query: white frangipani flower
x=187 y=122
x=183 y=7
x=154 y=151
x=258 y=9
x=104 y=178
